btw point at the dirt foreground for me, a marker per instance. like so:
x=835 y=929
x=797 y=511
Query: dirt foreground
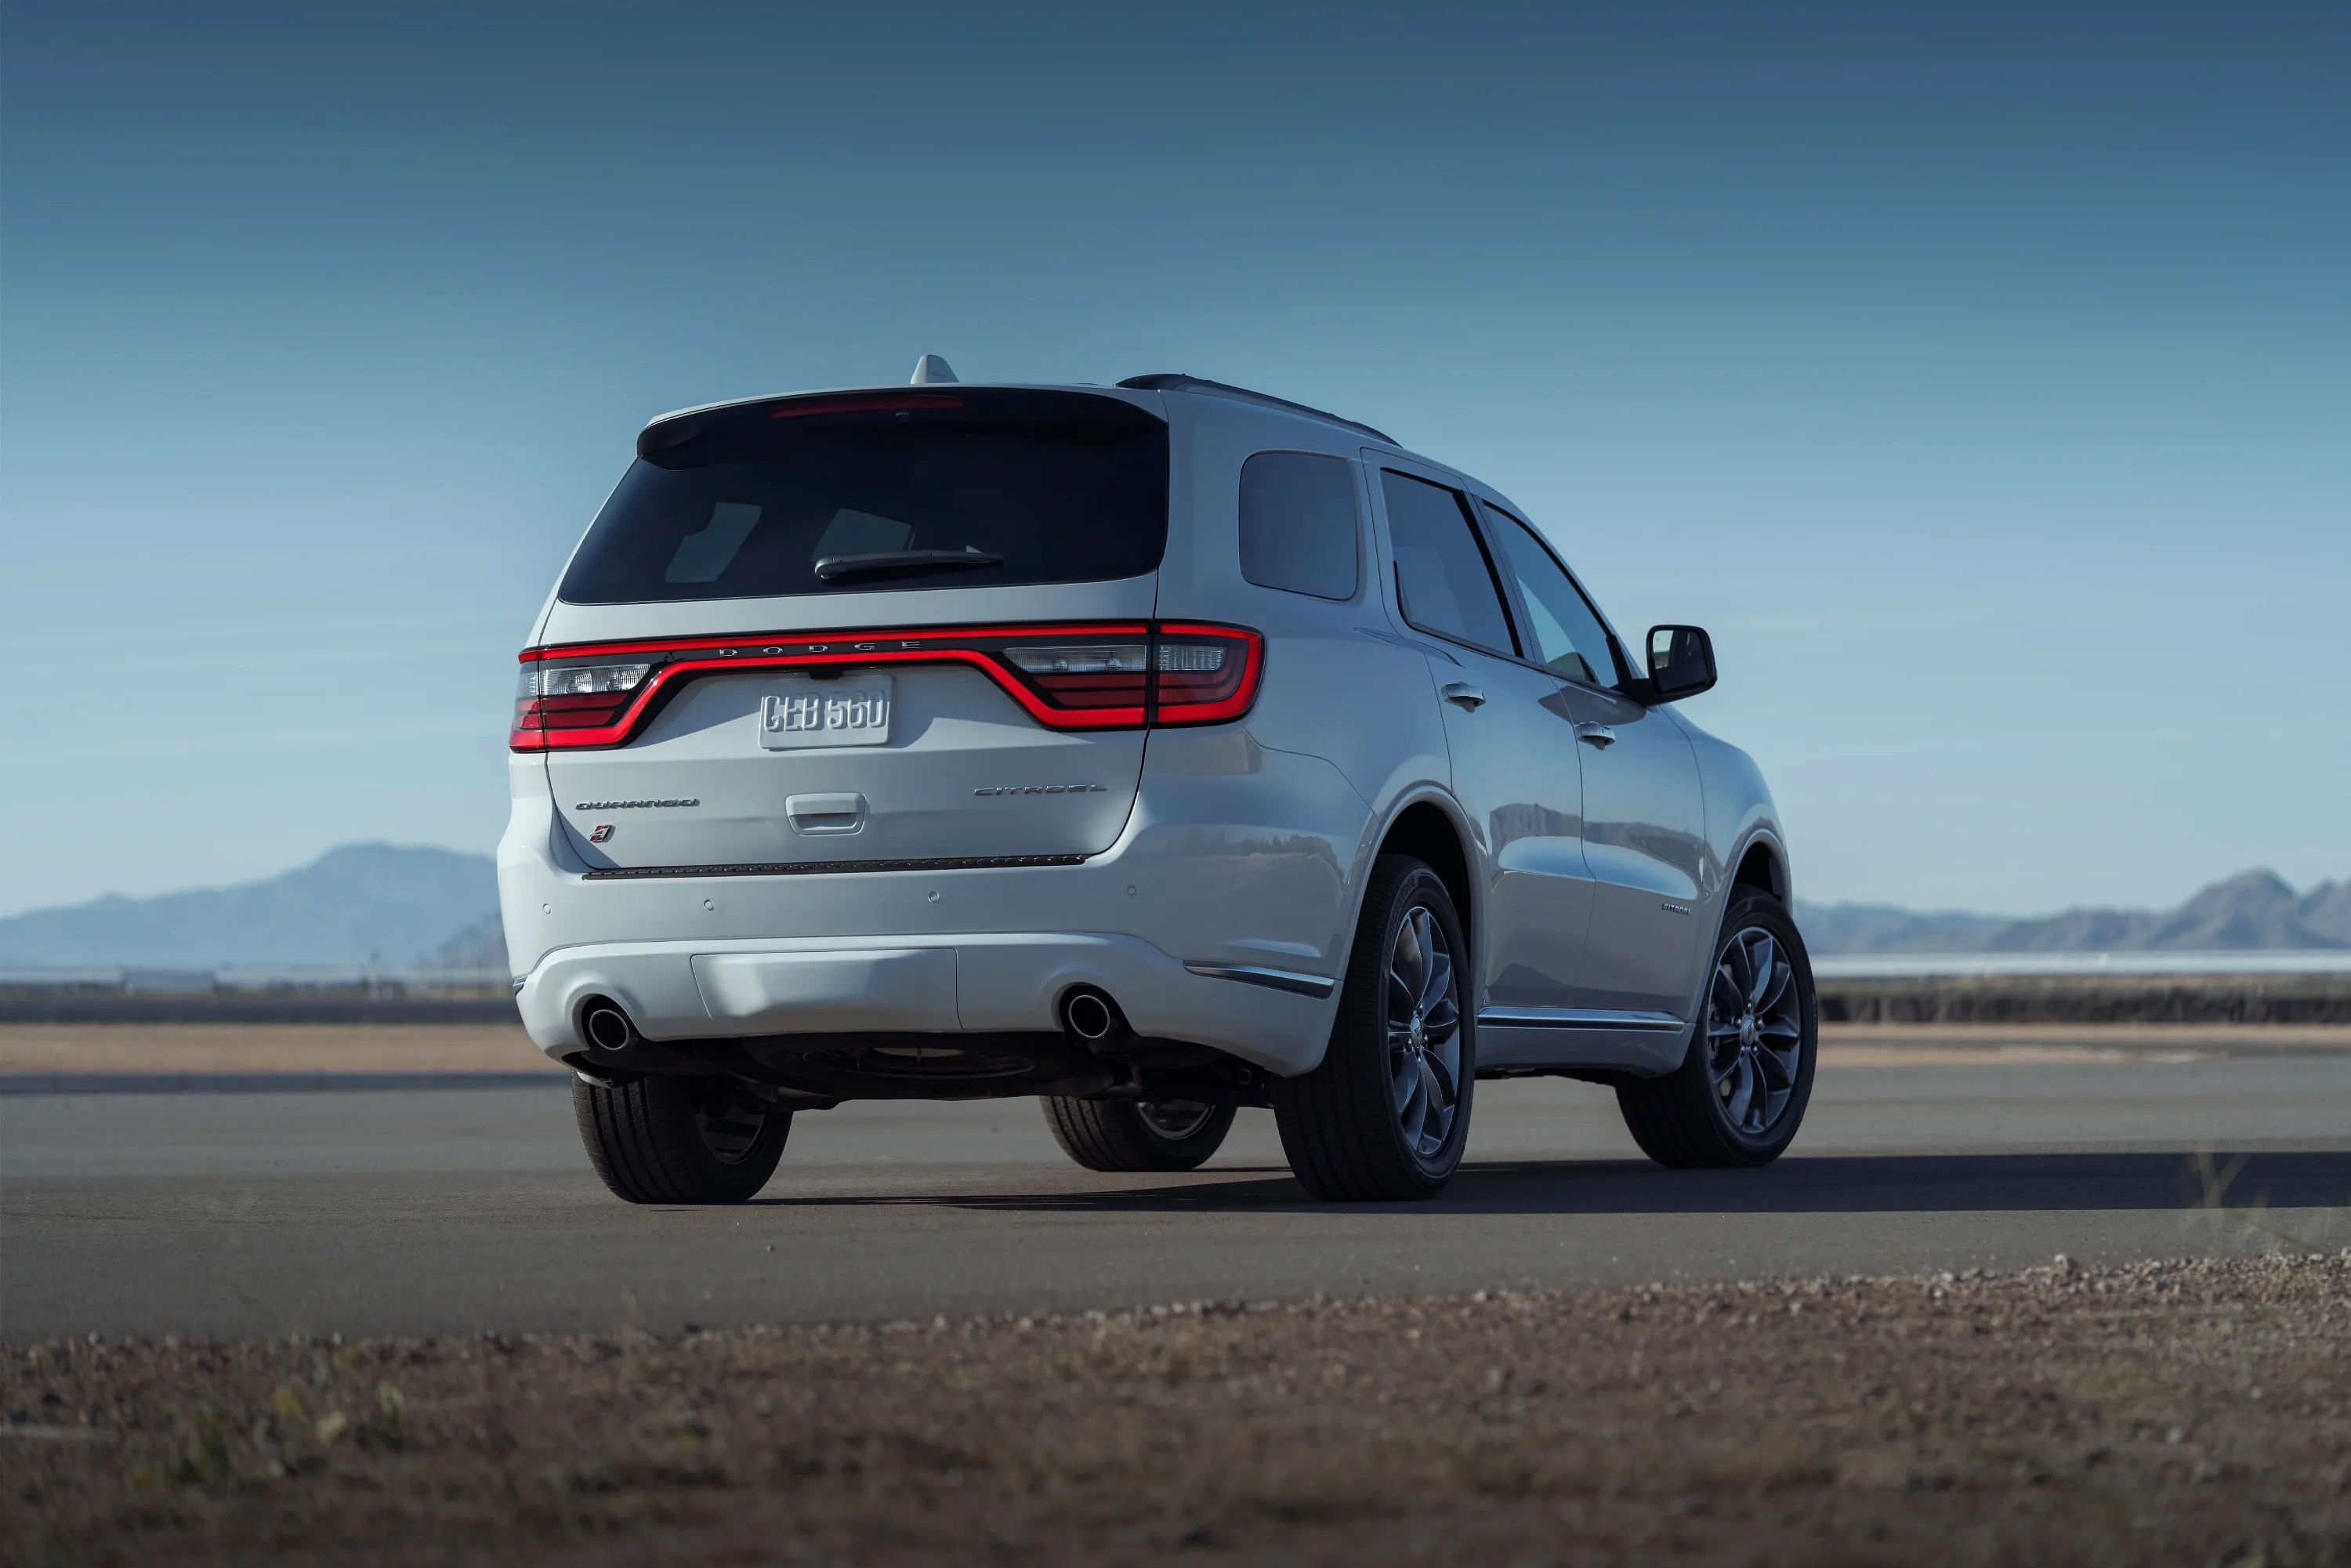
x=2192 y=1413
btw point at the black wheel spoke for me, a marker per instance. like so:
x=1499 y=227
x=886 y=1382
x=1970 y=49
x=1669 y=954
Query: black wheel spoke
x=1444 y=1073
x=1742 y=1092
x=1410 y=961
x=1408 y=1089
x=1436 y=1110
x=1736 y=968
x=1762 y=958
x=1401 y=993
x=1438 y=987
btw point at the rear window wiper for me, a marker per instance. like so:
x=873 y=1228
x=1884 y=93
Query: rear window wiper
x=830 y=566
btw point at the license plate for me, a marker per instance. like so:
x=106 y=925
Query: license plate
x=852 y=711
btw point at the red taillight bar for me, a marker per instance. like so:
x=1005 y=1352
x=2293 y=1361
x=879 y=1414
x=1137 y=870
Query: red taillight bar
x=1170 y=695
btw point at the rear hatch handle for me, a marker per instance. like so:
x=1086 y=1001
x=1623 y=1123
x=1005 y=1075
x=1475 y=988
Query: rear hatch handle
x=815 y=815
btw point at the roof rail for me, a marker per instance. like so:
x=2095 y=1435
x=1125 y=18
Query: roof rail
x=1173 y=380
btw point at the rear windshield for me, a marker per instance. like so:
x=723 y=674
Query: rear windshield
x=958 y=487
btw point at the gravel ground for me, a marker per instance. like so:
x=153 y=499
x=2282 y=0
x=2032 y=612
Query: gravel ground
x=2187 y=1412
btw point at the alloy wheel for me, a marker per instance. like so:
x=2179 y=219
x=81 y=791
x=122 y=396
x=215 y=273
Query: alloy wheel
x=730 y=1119
x=1174 y=1120
x=1754 y=1032
x=1424 y=1033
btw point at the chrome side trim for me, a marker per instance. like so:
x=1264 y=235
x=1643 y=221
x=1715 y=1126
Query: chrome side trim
x=1578 y=1017
x=1272 y=979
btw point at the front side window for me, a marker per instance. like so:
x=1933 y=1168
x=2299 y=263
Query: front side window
x=1566 y=635
x=1298 y=523
x=949 y=488
x=1442 y=576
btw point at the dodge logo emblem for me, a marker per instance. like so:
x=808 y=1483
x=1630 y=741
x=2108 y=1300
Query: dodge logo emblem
x=603 y=831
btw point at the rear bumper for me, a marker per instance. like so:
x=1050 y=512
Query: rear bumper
x=1244 y=865
x=993 y=982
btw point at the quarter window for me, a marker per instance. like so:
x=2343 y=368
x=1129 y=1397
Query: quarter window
x=1298 y=524
x=1566 y=636
x=1442 y=576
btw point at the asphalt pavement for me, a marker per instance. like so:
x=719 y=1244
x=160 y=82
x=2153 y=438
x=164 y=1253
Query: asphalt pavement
x=452 y=1210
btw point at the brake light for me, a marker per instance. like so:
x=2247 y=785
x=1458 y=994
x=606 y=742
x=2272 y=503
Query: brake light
x=1066 y=677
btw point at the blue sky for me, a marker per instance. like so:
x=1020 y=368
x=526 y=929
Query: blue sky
x=1981 y=376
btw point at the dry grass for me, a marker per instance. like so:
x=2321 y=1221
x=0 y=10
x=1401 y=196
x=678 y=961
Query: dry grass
x=2190 y=1412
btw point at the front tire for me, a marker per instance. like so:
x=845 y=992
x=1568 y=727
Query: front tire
x=1386 y=1114
x=1740 y=1092
x=1134 y=1136
x=660 y=1139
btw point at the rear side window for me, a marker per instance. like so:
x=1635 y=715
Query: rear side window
x=1567 y=637
x=1442 y=576
x=1298 y=524
x=963 y=488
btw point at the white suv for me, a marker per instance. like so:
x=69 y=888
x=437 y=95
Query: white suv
x=1156 y=749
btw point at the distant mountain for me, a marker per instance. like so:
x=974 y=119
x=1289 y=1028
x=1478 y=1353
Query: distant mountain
x=2253 y=910
x=373 y=904
x=1884 y=928
x=481 y=945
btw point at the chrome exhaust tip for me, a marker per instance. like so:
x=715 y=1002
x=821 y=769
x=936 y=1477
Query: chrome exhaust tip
x=1091 y=1016
x=607 y=1026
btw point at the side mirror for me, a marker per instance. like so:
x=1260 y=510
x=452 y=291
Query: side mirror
x=1681 y=663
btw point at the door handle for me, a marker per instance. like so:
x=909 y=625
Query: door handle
x=1463 y=692
x=1595 y=735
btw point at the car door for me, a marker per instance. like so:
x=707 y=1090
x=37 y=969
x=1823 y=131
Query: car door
x=1644 y=816
x=1514 y=755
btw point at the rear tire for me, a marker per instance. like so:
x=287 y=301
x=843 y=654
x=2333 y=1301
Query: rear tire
x=680 y=1140
x=1128 y=1135
x=1740 y=1092
x=1386 y=1114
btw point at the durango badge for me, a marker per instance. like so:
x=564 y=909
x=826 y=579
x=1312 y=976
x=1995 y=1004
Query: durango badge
x=1039 y=789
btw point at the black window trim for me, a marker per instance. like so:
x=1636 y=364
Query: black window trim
x=1365 y=549
x=1486 y=551
x=1513 y=603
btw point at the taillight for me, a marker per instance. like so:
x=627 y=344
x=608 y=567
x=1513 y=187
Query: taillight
x=1067 y=677
x=1085 y=675
x=570 y=697
x=1204 y=675
x=570 y=680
